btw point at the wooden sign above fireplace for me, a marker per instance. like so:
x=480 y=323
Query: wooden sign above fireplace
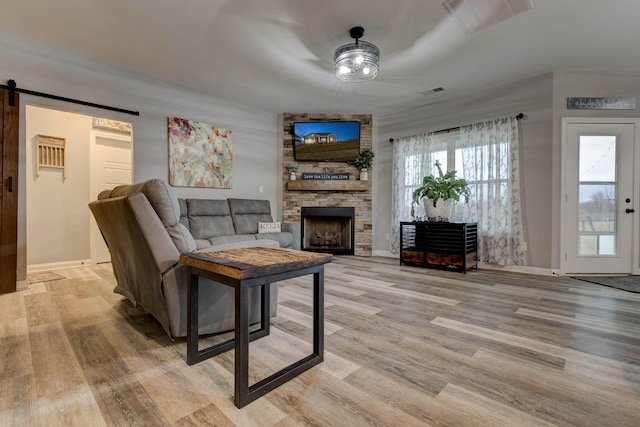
x=325 y=176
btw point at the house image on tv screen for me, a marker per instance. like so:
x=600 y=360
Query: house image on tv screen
x=335 y=141
x=319 y=138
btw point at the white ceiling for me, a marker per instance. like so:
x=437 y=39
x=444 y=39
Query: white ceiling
x=277 y=55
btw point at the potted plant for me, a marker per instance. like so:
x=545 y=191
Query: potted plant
x=363 y=162
x=439 y=193
x=292 y=168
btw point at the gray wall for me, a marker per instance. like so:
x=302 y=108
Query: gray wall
x=255 y=145
x=534 y=97
x=57 y=221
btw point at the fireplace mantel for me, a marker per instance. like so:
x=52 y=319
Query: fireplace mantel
x=327 y=185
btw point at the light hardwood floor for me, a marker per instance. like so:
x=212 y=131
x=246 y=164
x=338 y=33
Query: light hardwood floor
x=405 y=346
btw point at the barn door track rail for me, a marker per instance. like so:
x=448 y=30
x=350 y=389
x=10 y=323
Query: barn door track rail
x=11 y=86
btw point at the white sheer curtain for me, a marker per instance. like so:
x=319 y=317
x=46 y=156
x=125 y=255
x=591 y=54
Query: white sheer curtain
x=491 y=165
x=413 y=158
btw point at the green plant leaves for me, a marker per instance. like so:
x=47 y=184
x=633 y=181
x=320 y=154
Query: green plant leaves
x=364 y=160
x=444 y=186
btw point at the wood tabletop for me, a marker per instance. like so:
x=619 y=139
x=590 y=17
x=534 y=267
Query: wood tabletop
x=247 y=263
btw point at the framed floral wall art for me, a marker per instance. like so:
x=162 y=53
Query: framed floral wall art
x=199 y=154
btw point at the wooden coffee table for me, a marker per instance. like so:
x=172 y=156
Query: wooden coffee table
x=244 y=269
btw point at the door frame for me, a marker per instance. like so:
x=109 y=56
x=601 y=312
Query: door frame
x=635 y=245
x=94 y=232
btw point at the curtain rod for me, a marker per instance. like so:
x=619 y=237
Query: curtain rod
x=11 y=87
x=519 y=116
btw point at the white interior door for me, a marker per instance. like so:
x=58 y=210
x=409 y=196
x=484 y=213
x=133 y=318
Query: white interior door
x=112 y=166
x=598 y=212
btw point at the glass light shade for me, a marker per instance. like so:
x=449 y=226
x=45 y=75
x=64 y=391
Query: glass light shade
x=357 y=62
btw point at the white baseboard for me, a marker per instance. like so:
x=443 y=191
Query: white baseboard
x=385 y=254
x=34 y=268
x=517 y=269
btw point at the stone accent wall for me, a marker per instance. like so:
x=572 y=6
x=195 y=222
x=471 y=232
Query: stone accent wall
x=360 y=200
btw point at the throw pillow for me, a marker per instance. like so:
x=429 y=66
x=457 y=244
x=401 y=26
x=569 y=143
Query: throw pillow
x=268 y=227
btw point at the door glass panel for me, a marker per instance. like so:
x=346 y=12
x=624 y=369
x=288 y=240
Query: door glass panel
x=597 y=158
x=607 y=245
x=588 y=245
x=597 y=198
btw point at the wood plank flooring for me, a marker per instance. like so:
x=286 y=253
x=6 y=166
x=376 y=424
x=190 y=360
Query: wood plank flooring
x=405 y=346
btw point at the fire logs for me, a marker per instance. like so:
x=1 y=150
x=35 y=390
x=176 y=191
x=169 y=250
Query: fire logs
x=326 y=238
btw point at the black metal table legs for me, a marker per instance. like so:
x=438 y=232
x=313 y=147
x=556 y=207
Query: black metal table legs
x=245 y=394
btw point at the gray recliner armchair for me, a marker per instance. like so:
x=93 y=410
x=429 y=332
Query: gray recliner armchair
x=141 y=226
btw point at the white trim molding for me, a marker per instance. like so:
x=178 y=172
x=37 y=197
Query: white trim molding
x=35 y=268
x=517 y=269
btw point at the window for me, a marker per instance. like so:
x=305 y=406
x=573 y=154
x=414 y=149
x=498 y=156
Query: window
x=486 y=155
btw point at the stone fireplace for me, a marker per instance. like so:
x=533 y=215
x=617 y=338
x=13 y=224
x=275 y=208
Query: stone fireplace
x=328 y=230
x=353 y=193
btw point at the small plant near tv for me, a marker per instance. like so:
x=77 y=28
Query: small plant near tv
x=363 y=162
x=292 y=168
x=443 y=187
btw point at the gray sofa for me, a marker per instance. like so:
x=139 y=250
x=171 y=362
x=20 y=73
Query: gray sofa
x=220 y=222
x=147 y=228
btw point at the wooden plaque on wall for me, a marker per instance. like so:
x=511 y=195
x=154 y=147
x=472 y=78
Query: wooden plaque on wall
x=50 y=153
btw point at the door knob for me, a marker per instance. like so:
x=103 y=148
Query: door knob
x=629 y=210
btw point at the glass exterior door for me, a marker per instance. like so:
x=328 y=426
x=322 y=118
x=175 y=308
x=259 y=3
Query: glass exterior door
x=598 y=218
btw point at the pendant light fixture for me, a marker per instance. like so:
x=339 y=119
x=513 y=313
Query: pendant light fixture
x=357 y=62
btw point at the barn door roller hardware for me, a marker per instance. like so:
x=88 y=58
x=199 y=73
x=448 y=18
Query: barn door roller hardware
x=12 y=93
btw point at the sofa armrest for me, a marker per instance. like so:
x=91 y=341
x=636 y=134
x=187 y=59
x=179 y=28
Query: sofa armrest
x=294 y=229
x=141 y=249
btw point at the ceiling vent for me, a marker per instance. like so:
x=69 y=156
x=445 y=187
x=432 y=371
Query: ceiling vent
x=434 y=90
x=474 y=15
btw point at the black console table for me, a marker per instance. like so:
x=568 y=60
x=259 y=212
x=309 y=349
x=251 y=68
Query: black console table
x=443 y=245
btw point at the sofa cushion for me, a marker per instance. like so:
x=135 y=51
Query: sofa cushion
x=284 y=239
x=247 y=213
x=239 y=245
x=202 y=243
x=223 y=240
x=163 y=200
x=209 y=218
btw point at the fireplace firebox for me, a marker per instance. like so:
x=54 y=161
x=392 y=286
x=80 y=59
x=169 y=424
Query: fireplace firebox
x=328 y=230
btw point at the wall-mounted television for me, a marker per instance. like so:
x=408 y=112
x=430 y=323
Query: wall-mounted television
x=328 y=141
